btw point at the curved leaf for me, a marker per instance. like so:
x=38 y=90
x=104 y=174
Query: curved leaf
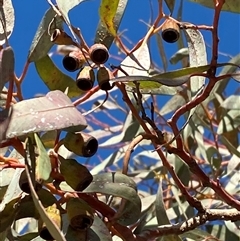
x=7 y=17
x=179 y=55
x=65 y=6
x=8 y=214
x=56 y=79
x=137 y=63
x=7 y=63
x=229 y=5
x=52 y=227
x=43 y=163
x=172 y=78
x=41 y=43
x=161 y=213
x=102 y=34
x=170 y=5
x=107 y=11
x=5 y=118
x=119 y=185
x=197 y=57
x=220 y=86
x=54 y=111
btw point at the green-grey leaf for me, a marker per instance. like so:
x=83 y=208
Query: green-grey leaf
x=229 y=122
x=65 y=6
x=54 y=78
x=229 y=5
x=179 y=55
x=232 y=102
x=8 y=214
x=102 y=34
x=43 y=165
x=52 y=227
x=170 y=5
x=220 y=86
x=197 y=57
x=54 y=111
x=119 y=185
x=7 y=17
x=7 y=63
x=41 y=43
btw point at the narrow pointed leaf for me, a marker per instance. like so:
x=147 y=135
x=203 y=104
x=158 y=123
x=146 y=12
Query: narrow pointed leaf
x=5 y=118
x=179 y=55
x=172 y=78
x=8 y=214
x=161 y=213
x=52 y=227
x=7 y=63
x=41 y=43
x=137 y=63
x=197 y=57
x=7 y=17
x=54 y=111
x=107 y=12
x=220 y=86
x=170 y=5
x=119 y=185
x=65 y=6
x=102 y=34
x=43 y=164
x=55 y=79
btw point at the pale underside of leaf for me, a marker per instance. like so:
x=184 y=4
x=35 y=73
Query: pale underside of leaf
x=229 y=5
x=65 y=6
x=54 y=111
x=7 y=19
x=197 y=57
x=43 y=164
x=7 y=63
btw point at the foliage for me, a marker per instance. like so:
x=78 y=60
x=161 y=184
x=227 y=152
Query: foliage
x=175 y=179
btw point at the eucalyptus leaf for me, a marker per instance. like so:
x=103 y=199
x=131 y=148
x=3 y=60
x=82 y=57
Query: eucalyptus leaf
x=7 y=17
x=229 y=5
x=54 y=111
x=118 y=185
x=41 y=43
x=55 y=79
x=107 y=11
x=52 y=227
x=66 y=6
x=170 y=5
x=43 y=163
x=102 y=34
x=7 y=63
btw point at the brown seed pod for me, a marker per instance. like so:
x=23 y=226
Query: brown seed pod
x=80 y=214
x=73 y=61
x=75 y=174
x=54 y=214
x=85 y=78
x=98 y=53
x=170 y=31
x=81 y=144
x=61 y=38
x=103 y=77
x=24 y=185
